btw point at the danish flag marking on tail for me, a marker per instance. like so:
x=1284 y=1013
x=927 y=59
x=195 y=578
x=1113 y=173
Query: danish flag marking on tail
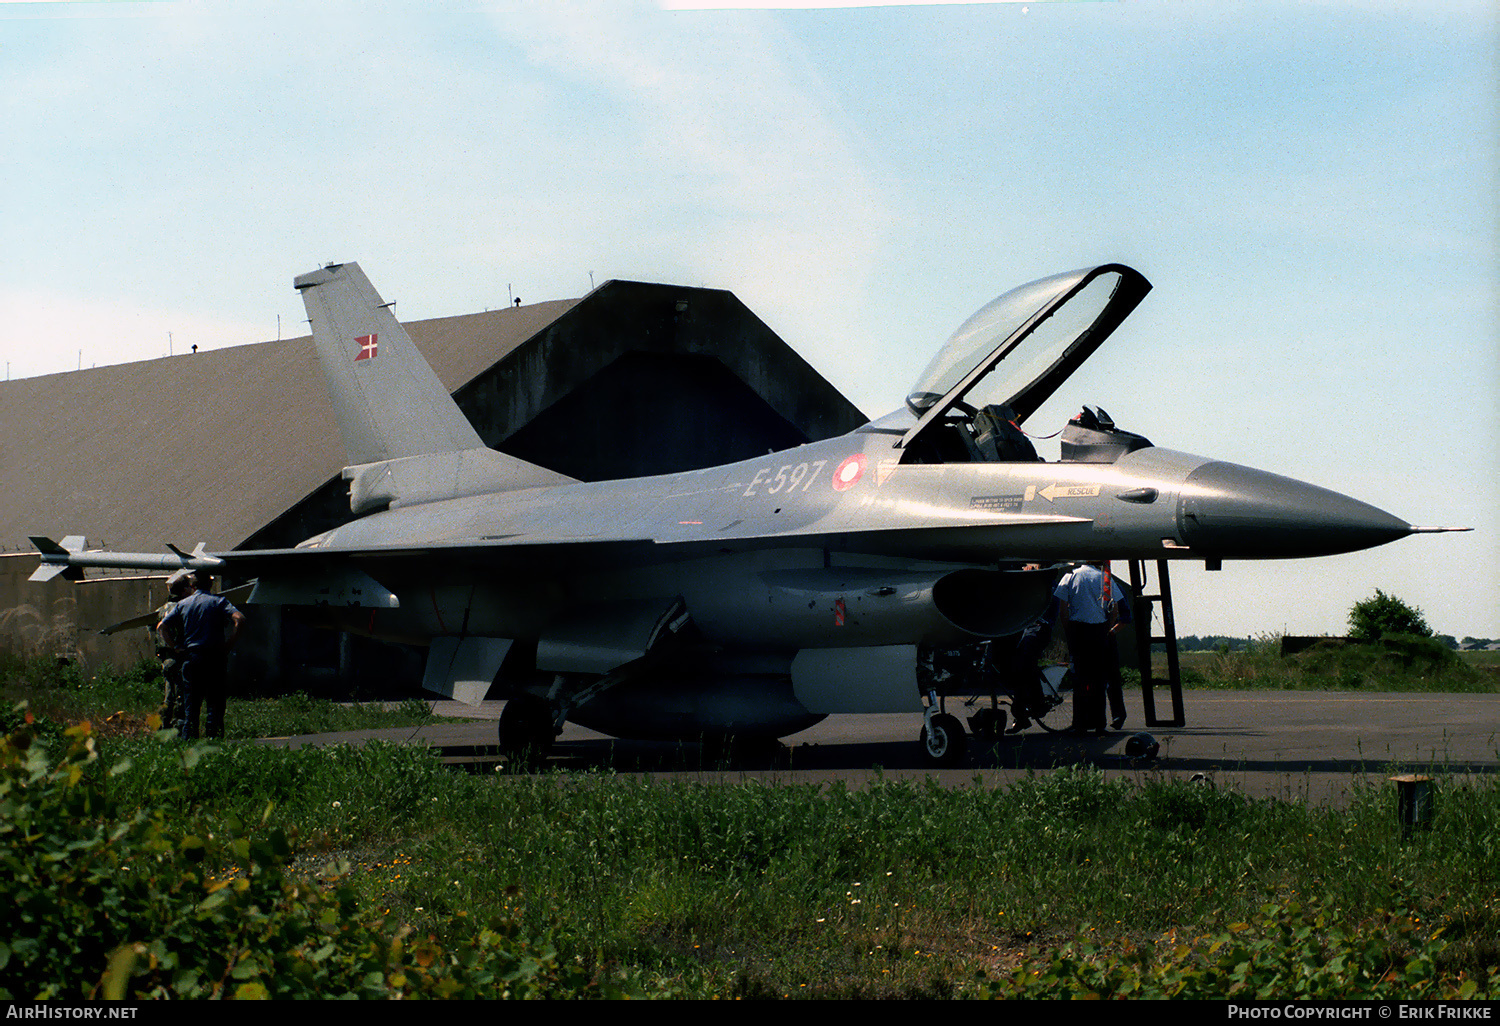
x=366 y=347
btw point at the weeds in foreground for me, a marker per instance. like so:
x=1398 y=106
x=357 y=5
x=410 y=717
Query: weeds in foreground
x=104 y=902
x=897 y=889
x=298 y=713
x=1286 y=951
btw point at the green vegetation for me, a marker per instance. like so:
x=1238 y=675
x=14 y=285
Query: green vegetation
x=118 y=702
x=181 y=877
x=111 y=898
x=1382 y=614
x=145 y=868
x=298 y=713
x=1370 y=620
x=1390 y=648
x=136 y=866
x=1394 y=663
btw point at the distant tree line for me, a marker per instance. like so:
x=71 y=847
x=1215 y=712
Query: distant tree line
x=1224 y=643
x=1447 y=639
x=1379 y=616
x=1207 y=643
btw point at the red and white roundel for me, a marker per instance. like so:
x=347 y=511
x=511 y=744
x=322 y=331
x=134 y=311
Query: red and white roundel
x=849 y=472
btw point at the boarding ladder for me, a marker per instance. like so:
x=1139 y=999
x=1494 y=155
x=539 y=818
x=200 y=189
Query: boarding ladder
x=1141 y=612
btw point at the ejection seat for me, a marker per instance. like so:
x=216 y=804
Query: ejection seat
x=997 y=439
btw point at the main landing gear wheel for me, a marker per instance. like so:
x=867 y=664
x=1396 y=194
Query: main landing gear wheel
x=526 y=730
x=943 y=741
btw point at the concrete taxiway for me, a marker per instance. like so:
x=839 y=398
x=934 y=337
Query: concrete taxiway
x=1313 y=746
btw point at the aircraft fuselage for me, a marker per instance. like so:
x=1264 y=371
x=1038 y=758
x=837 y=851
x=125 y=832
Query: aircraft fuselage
x=847 y=503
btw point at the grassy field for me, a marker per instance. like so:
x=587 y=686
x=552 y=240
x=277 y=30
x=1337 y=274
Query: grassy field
x=1398 y=664
x=117 y=702
x=1065 y=884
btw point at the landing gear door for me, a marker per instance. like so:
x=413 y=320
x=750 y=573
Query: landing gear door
x=464 y=668
x=595 y=639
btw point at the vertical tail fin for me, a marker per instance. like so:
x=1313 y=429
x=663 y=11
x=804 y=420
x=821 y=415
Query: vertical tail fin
x=408 y=441
x=388 y=401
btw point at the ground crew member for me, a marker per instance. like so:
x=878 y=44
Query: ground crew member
x=1090 y=621
x=202 y=627
x=171 y=663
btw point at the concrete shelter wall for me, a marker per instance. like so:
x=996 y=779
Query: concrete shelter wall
x=62 y=620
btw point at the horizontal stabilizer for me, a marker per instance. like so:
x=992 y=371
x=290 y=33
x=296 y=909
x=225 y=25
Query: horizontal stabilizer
x=151 y=618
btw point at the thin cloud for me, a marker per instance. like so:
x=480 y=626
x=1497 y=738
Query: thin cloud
x=98 y=333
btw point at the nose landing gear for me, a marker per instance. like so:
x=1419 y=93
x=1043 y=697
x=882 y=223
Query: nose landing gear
x=943 y=741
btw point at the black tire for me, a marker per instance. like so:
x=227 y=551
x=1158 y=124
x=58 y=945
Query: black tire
x=526 y=730
x=719 y=751
x=944 y=744
x=988 y=725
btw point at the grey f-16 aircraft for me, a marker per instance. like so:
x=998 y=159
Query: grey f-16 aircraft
x=755 y=598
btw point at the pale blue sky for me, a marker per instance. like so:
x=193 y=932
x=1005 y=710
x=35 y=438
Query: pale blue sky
x=1311 y=187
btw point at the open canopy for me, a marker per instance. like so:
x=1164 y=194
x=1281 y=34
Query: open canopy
x=1019 y=348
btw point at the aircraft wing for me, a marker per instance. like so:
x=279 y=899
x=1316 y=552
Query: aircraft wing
x=511 y=552
x=146 y=620
x=342 y=576
x=364 y=575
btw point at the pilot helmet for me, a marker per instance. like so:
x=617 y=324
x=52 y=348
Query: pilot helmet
x=1142 y=746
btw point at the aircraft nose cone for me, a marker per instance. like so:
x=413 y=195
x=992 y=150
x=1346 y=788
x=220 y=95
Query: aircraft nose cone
x=1238 y=512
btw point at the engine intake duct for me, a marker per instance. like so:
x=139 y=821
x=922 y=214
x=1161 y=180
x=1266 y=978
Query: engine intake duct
x=993 y=603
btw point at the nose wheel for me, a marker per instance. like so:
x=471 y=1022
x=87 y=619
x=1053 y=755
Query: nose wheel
x=942 y=739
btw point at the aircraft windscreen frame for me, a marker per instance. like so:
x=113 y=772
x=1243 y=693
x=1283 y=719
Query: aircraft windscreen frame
x=1000 y=318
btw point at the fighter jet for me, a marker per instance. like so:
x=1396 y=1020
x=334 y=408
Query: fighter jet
x=755 y=598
